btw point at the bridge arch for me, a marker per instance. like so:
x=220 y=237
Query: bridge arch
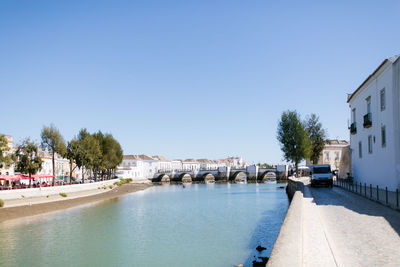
x=239 y=177
x=185 y=178
x=208 y=177
x=162 y=178
x=268 y=176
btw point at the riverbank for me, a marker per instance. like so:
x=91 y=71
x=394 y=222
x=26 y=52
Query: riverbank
x=19 y=208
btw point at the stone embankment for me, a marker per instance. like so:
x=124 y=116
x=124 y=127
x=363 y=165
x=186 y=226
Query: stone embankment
x=334 y=227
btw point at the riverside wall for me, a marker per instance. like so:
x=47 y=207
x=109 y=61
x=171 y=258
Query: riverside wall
x=287 y=250
x=52 y=190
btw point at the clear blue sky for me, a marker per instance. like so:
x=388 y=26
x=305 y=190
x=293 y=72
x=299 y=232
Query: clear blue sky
x=187 y=78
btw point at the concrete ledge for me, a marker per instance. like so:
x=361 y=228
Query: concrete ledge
x=48 y=191
x=287 y=250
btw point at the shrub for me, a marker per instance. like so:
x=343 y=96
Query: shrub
x=1 y=203
x=47 y=196
x=63 y=194
x=123 y=181
x=110 y=186
x=98 y=187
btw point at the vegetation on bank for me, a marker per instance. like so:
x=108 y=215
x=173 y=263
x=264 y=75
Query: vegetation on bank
x=300 y=139
x=1 y=203
x=98 y=153
x=63 y=194
x=123 y=181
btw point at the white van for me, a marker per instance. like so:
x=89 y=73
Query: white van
x=321 y=175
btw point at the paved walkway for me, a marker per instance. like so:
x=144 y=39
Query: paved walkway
x=341 y=228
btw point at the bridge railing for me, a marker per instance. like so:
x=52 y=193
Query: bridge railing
x=370 y=191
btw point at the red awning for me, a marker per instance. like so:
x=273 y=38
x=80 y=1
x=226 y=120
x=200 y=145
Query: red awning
x=12 y=177
x=41 y=176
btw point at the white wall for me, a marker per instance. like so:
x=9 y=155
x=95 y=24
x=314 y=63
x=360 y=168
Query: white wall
x=53 y=190
x=377 y=168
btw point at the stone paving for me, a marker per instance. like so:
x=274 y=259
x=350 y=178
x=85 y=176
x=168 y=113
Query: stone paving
x=358 y=231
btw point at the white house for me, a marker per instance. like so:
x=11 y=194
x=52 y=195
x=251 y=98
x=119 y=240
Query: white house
x=138 y=167
x=164 y=165
x=375 y=127
x=337 y=154
x=176 y=165
x=190 y=165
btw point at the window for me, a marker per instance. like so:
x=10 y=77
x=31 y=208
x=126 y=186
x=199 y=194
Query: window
x=353 y=115
x=336 y=156
x=327 y=156
x=370 y=144
x=383 y=136
x=359 y=149
x=368 y=104
x=383 y=100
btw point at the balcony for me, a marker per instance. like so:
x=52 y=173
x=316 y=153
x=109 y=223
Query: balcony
x=353 y=128
x=367 y=120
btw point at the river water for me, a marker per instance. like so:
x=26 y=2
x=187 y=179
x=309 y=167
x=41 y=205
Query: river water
x=199 y=225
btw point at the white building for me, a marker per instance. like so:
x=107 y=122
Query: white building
x=375 y=127
x=206 y=164
x=190 y=165
x=138 y=167
x=176 y=165
x=164 y=165
x=337 y=154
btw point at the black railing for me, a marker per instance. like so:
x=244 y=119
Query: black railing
x=367 y=120
x=353 y=128
x=376 y=193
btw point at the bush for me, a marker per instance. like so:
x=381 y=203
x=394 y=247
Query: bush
x=63 y=194
x=123 y=181
x=110 y=186
x=1 y=203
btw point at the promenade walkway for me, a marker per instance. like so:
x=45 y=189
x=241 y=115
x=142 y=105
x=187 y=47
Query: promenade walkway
x=359 y=231
x=335 y=227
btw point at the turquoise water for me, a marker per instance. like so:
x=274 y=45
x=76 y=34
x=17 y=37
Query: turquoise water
x=200 y=225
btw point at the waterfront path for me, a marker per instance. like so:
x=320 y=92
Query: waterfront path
x=334 y=227
x=359 y=231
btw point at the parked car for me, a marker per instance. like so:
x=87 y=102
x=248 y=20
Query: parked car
x=321 y=175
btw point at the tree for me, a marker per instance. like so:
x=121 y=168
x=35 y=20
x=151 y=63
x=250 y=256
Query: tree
x=73 y=154
x=53 y=142
x=27 y=158
x=293 y=138
x=316 y=135
x=5 y=158
x=89 y=151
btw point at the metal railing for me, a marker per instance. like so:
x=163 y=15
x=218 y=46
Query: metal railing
x=353 y=128
x=367 y=120
x=372 y=192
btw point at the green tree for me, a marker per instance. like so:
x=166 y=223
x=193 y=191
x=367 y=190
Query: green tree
x=73 y=154
x=53 y=142
x=316 y=135
x=293 y=138
x=5 y=157
x=89 y=151
x=27 y=158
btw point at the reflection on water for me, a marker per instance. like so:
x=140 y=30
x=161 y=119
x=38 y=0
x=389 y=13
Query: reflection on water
x=196 y=225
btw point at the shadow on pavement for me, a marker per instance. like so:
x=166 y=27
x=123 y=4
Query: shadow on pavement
x=348 y=200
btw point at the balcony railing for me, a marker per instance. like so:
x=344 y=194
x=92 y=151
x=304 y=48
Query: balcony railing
x=367 y=120
x=353 y=128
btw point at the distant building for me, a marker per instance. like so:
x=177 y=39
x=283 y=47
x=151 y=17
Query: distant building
x=190 y=165
x=8 y=170
x=375 y=127
x=337 y=154
x=61 y=164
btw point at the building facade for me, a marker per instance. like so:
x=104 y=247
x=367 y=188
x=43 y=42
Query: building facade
x=375 y=127
x=336 y=153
